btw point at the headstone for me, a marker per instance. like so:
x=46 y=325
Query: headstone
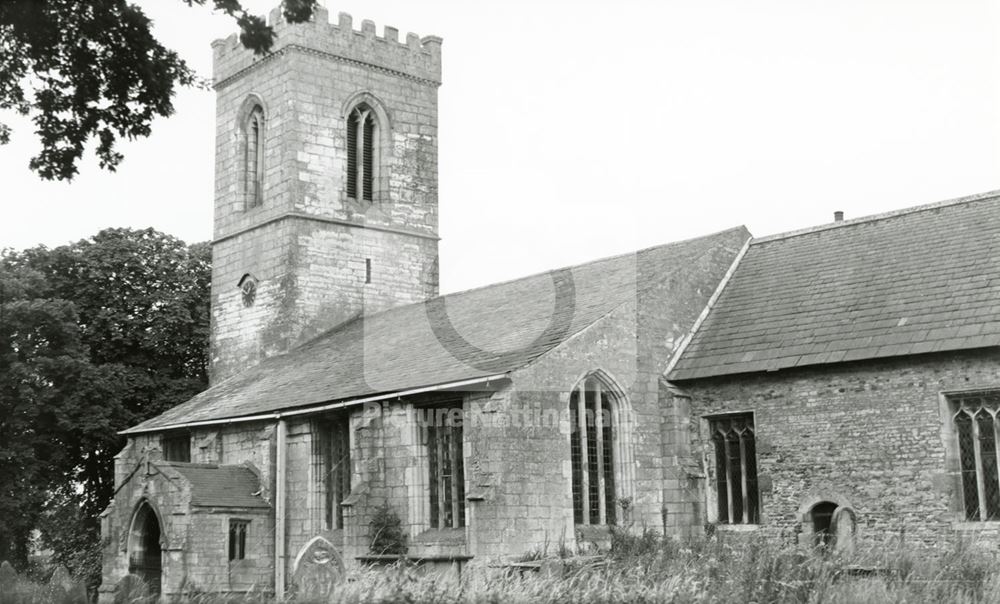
x=61 y=577
x=130 y=589
x=318 y=568
x=843 y=525
x=8 y=583
x=64 y=589
x=8 y=576
x=78 y=594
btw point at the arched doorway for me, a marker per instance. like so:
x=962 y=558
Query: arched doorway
x=145 y=558
x=822 y=520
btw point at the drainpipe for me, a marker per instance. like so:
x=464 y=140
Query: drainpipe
x=279 y=511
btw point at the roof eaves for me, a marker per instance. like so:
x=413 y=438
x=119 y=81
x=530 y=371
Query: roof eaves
x=276 y=415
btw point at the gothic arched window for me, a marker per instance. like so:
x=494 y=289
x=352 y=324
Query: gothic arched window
x=362 y=153
x=254 y=157
x=597 y=452
x=976 y=418
x=734 y=439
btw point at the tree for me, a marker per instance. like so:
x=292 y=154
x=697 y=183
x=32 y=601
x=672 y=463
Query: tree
x=91 y=70
x=95 y=336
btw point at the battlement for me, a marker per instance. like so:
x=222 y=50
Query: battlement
x=415 y=57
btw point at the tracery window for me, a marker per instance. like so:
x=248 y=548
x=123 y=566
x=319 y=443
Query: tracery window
x=975 y=420
x=592 y=436
x=362 y=153
x=446 y=464
x=253 y=159
x=735 y=443
x=238 y=539
x=333 y=452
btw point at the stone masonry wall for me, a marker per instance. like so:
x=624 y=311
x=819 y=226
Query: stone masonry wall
x=870 y=435
x=307 y=243
x=195 y=538
x=530 y=465
x=527 y=458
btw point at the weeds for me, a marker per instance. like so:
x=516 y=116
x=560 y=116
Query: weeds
x=647 y=568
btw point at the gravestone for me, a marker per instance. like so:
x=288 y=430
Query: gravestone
x=843 y=525
x=8 y=576
x=63 y=588
x=61 y=578
x=318 y=568
x=130 y=589
x=8 y=583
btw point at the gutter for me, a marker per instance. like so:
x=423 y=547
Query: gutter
x=279 y=415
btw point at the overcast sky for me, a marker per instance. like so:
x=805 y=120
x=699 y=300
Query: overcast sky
x=576 y=129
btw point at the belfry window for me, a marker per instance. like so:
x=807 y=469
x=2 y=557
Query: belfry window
x=736 y=468
x=976 y=426
x=254 y=158
x=362 y=153
x=593 y=432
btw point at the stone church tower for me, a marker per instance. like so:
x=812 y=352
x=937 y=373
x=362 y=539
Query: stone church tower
x=325 y=186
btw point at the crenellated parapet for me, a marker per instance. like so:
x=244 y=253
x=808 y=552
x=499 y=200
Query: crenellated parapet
x=414 y=57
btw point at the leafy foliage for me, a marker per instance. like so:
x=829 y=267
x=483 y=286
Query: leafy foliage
x=387 y=535
x=94 y=337
x=94 y=71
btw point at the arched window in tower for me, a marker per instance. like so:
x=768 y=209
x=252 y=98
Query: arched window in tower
x=362 y=153
x=254 y=158
x=597 y=451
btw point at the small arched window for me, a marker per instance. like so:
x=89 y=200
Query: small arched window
x=595 y=451
x=362 y=153
x=254 y=158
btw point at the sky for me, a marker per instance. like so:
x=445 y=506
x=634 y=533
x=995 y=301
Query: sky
x=573 y=130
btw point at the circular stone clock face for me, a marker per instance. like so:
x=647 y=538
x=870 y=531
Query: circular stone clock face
x=249 y=289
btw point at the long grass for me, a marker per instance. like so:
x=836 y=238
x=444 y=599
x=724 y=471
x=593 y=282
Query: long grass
x=648 y=569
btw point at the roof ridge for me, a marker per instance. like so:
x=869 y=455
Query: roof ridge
x=582 y=264
x=876 y=217
x=348 y=322
x=645 y=288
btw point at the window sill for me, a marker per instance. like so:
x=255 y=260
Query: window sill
x=973 y=526
x=593 y=532
x=452 y=536
x=737 y=528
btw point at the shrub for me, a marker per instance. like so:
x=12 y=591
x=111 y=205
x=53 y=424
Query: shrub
x=387 y=536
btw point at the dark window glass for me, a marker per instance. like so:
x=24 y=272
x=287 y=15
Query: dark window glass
x=975 y=426
x=237 y=539
x=334 y=452
x=446 y=466
x=177 y=447
x=591 y=448
x=735 y=446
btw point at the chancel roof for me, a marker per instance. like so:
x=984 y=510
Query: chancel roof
x=921 y=280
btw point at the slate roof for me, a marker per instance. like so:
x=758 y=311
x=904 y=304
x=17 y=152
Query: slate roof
x=221 y=486
x=445 y=339
x=921 y=280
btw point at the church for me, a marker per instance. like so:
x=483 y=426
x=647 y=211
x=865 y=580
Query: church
x=835 y=384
